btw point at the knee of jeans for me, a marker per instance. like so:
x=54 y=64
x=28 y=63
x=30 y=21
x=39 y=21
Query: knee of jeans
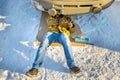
x=45 y=39
x=44 y=43
x=47 y=35
x=63 y=36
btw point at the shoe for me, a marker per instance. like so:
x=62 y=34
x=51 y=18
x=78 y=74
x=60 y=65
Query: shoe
x=75 y=69
x=32 y=72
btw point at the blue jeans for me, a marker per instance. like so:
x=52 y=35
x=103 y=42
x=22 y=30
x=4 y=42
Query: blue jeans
x=49 y=38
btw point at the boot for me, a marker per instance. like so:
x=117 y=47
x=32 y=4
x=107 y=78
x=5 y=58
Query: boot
x=32 y=72
x=75 y=69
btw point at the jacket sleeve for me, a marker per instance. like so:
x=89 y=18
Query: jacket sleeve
x=51 y=21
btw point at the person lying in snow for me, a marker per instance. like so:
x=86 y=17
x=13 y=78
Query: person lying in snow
x=59 y=29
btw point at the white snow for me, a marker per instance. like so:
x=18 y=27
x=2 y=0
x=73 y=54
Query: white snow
x=3 y=26
x=97 y=62
x=2 y=17
x=25 y=43
x=21 y=54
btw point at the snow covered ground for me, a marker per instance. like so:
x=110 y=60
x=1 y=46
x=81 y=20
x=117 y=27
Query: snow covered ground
x=17 y=51
x=96 y=64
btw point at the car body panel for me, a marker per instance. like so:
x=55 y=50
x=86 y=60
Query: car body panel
x=72 y=7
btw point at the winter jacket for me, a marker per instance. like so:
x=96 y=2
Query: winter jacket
x=59 y=24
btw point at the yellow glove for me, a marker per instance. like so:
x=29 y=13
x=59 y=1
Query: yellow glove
x=64 y=30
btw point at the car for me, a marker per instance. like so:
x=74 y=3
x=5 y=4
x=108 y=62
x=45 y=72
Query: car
x=72 y=7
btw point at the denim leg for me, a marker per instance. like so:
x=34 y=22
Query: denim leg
x=46 y=41
x=65 y=41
